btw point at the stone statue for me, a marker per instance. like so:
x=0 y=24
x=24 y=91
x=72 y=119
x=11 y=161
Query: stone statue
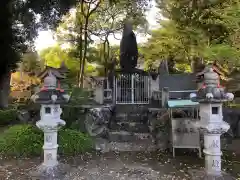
x=128 y=49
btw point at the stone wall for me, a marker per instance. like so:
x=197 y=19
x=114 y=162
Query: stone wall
x=232 y=116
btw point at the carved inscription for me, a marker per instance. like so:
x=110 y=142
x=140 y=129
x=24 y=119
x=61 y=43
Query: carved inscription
x=48 y=138
x=97 y=82
x=185 y=130
x=215 y=144
x=216 y=164
x=55 y=109
x=49 y=156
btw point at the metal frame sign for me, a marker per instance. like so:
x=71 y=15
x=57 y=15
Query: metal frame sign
x=185 y=134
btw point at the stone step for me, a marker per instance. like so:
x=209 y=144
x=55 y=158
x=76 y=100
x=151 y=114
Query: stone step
x=131 y=108
x=130 y=127
x=125 y=136
x=144 y=145
x=130 y=117
x=136 y=146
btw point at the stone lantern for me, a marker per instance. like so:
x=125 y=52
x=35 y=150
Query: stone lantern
x=50 y=98
x=210 y=97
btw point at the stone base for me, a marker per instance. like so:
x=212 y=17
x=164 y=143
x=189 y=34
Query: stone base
x=43 y=172
x=202 y=175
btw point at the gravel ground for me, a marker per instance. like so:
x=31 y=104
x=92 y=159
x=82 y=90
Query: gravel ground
x=121 y=166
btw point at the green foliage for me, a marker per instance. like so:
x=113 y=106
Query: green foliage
x=196 y=29
x=27 y=140
x=21 y=140
x=80 y=96
x=72 y=142
x=8 y=116
x=30 y=63
x=73 y=112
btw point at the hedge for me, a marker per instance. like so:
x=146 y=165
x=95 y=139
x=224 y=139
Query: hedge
x=27 y=140
x=8 y=116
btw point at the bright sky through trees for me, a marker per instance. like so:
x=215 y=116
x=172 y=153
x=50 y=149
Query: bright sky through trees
x=45 y=38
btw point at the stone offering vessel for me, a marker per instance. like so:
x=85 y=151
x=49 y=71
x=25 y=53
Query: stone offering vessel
x=210 y=97
x=50 y=98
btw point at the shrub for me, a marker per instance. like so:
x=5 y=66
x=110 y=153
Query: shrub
x=72 y=142
x=21 y=140
x=74 y=117
x=27 y=140
x=8 y=116
x=79 y=96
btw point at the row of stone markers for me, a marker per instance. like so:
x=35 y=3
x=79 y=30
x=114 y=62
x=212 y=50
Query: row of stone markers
x=210 y=96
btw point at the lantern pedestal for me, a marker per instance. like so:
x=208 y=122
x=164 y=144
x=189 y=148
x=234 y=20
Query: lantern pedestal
x=50 y=123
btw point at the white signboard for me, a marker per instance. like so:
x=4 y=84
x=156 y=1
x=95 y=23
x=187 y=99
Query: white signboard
x=185 y=134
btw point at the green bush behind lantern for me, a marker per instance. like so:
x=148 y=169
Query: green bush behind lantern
x=27 y=140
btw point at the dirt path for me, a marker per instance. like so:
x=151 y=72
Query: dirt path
x=123 y=166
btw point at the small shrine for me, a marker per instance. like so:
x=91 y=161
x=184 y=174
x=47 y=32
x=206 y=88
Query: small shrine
x=50 y=97
x=210 y=98
x=59 y=73
x=217 y=68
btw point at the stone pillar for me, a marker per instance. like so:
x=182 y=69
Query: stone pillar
x=50 y=123
x=212 y=126
x=50 y=97
x=211 y=97
x=99 y=90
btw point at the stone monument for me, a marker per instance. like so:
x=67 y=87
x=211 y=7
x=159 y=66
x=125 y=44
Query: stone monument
x=50 y=97
x=210 y=97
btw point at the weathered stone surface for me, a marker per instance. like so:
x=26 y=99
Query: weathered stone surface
x=50 y=173
x=232 y=116
x=130 y=126
x=125 y=136
x=137 y=146
x=201 y=175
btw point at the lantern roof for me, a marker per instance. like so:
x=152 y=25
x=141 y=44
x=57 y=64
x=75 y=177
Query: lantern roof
x=50 y=94
x=59 y=73
x=211 y=91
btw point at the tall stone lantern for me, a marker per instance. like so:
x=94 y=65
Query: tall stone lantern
x=50 y=98
x=211 y=97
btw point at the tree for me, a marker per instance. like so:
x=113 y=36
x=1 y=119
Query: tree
x=54 y=56
x=20 y=21
x=197 y=30
x=19 y=24
x=102 y=20
x=110 y=19
x=30 y=63
x=172 y=41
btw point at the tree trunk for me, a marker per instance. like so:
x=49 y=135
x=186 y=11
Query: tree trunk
x=196 y=64
x=84 y=53
x=4 y=90
x=80 y=57
x=80 y=47
x=87 y=16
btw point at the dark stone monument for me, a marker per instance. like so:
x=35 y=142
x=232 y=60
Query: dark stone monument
x=128 y=49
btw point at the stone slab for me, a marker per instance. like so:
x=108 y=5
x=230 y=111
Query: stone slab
x=130 y=126
x=125 y=136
